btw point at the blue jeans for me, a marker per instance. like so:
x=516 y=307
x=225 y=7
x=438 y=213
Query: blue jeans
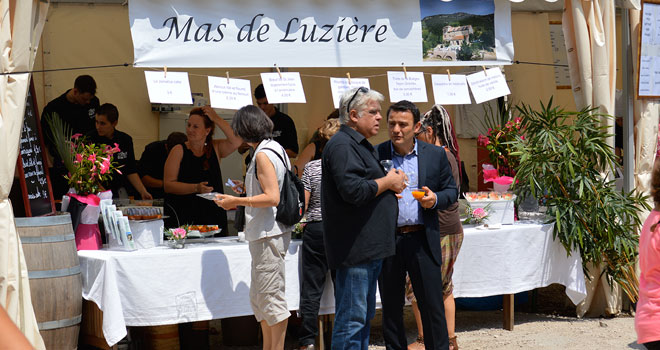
x=355 y=305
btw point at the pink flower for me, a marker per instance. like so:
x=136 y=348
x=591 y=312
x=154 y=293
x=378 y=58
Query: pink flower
x=479 y=213
x=179 y=233
x=92 y=157
x=76 y=136
x=107 y=149
x=483 y=140
x=105 y=166
x=116 y=148
x=79 y=158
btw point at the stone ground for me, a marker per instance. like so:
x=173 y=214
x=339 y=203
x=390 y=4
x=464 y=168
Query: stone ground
x=552 y=325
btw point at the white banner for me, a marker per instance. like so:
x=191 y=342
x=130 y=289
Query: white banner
x=303 y=33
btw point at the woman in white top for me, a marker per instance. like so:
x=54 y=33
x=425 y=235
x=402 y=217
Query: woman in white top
x=268 y=239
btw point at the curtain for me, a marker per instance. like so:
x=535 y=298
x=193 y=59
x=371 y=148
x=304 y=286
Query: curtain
x=20 y=30
x=590 y=34
x=645 y=114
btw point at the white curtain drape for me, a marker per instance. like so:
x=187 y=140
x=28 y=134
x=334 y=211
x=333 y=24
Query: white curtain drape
x=590 y=33
x=645 y=113
x=21 y=25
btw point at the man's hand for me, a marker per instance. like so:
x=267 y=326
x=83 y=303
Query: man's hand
x=396 y=180
x=429 y=199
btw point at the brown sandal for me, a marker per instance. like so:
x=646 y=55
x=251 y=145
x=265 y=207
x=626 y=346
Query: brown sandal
x=453 y=344
x=417 y=345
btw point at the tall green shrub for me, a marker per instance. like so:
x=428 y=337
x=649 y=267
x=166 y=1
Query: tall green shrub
x=565 y=160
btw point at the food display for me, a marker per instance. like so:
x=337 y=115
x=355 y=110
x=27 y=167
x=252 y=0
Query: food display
x=201 y=231
x=488 y=196
x=498 y=205
x=201 y=228
x=142 y=213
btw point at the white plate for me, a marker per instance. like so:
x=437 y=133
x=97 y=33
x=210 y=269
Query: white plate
x=489 y=227
x=210 y=196
x=198 y=234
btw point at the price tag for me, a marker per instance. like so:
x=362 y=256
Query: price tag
x=450 y=90
x=489 y=85
x=341 y=85
x=410 y=86
x=285 y=89
x=229 y=95
x=173 y=89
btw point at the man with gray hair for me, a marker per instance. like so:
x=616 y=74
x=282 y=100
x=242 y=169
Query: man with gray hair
x=359 y=210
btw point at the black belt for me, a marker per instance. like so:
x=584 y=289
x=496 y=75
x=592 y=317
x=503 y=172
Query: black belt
x=408 y=229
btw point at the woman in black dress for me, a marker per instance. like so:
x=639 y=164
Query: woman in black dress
x=194 y=167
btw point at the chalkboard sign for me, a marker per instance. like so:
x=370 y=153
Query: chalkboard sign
x=32 y=166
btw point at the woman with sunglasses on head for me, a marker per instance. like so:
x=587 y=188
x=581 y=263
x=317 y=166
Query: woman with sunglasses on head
x=194 y=167
x=437 y=130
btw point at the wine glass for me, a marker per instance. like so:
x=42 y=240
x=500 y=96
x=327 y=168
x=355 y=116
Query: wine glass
x=387 y=164
x=412 y=181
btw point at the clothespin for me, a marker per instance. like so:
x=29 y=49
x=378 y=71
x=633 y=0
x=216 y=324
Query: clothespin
x=349 y=78
x=485 y=73
x=405 y=72
x=448 y=75
x=165 y=72
x=227 y=77
x=278 y=70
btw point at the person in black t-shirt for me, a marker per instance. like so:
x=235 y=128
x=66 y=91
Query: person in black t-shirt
x=77 y=109
x=151 y=164
x=284 y=130
x=128 y=182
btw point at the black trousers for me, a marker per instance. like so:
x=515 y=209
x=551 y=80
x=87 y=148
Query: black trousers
x=314 y=271
x=654 y=345
x=412 y=256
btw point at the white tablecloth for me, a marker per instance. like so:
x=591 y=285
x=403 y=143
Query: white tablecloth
x=211 y=280
x=515 y=258
x=161 y=285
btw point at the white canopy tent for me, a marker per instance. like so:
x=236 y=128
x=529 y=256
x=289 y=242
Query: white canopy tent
x=23 y=21
x=20 y=25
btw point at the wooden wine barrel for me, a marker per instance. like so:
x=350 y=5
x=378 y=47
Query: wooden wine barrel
x=161 y=337
x=55 y=283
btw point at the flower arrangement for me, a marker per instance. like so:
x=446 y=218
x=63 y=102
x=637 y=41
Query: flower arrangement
x=176 y=237
x=477 y=215
x=93 y=165
x=502 y=131
x=89 y=165
x=176 y=234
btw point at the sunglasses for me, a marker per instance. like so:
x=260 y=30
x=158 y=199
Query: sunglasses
x=361 y=89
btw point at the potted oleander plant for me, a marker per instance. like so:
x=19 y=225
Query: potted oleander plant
x=566 y=161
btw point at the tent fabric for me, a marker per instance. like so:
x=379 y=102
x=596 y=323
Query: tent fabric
x=590 y=34
x=20 y=30
x=645 y=114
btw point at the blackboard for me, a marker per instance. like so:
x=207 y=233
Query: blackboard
x=31 y=164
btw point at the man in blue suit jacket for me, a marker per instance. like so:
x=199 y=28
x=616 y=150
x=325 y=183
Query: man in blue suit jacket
x=417 y=234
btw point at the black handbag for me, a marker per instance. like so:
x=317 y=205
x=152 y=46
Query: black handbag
x=291 y=208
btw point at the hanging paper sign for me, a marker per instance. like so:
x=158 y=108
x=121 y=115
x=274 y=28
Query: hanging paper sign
x=171 y=88
x=283 y=87
x=340 y=85
x=488 y=85
x=407 y=86
x=303 y=33
x=450 y=90
x=229 y=93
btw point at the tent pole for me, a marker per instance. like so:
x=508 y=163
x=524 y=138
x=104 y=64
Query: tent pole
x=628 y=94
